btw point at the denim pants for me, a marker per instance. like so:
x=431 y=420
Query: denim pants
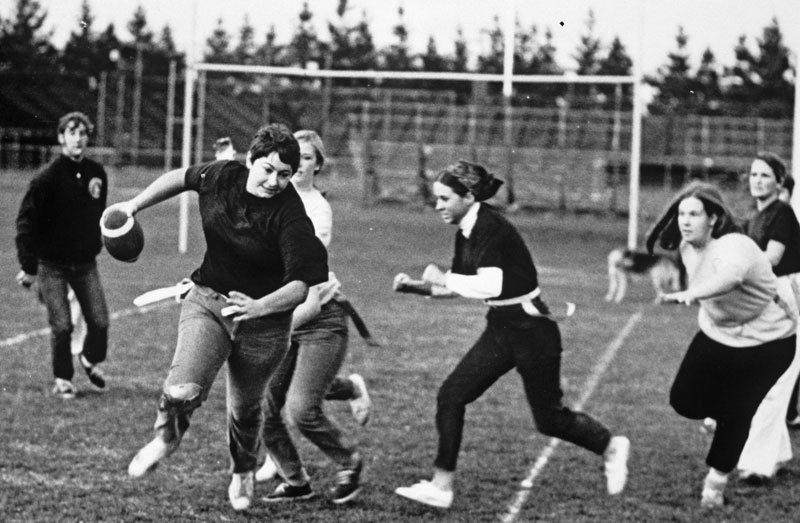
x=252 y=349
x=304 y=377
x=532 y=345
x=727 y=384
x=84 y=279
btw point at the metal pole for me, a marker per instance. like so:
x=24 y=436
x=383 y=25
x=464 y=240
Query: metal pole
x=101 y=110
x=796 y=136
x=137 y=104
x=508 y=48
x=186 y=157
x=170 y=131
x=186 y=146
x=636 y=141
x=201 y=117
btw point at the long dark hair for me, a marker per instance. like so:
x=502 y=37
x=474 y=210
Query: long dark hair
x=666 y=231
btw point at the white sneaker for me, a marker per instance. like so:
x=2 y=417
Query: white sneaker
x=709 y=426
x=240 y=491
x=360 y=405
x=64 y=389
x=428 y=493
x=616 y=464
x=713 y=495
x=267 y=471
x=148 y=457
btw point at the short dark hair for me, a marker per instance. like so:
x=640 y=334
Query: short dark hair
x=75 y=117
x=788 y=183
x=276 y=138
x=775 y=163
x=222 y=143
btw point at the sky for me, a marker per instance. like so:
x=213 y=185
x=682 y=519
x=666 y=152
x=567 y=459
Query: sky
x=649 y=25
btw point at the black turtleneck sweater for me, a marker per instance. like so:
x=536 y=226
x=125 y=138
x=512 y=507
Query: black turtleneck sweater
x=59 y=219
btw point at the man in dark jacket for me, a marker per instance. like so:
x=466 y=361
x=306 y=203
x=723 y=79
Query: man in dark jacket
x=58 y=239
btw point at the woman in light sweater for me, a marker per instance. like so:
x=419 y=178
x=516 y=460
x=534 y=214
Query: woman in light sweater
x=747 y=325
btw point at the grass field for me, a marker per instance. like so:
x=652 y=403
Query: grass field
x=67 y=460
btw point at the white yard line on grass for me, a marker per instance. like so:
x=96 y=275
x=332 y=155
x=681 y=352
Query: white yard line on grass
x=19 y=338
x=594 y=378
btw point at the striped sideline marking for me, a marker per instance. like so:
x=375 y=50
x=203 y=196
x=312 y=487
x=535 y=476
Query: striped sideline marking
x=594 y=378
x=20 y=338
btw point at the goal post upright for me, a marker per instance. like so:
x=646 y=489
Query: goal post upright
x=186 y=157
x=636 y=139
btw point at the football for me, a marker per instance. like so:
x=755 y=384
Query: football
x=123 y=237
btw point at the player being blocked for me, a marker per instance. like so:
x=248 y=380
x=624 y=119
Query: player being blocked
x=493 y=264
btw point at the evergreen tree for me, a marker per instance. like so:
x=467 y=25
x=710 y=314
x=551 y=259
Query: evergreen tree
x=245 y=51
x=432 y=61
x=80 y=54
x=397 y=56
x=709 y=94
x=24 y=45
x=616 y=63
x=775 y=93
x=218 y=45
x=492 y=61
x=461 y=53
x=364 y=52
x=269 y=53
x=588 y=50
x=304 y=47
x=525 y=50
x=676 y=89
x=138 y=28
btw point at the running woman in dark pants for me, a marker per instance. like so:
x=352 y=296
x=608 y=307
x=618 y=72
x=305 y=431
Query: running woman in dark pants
x=492 y=263
x=747 y=325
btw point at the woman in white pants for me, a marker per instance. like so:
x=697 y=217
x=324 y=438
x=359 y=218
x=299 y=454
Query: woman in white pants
x=775 y=229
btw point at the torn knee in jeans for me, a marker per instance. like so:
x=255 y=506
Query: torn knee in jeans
x=181 y=398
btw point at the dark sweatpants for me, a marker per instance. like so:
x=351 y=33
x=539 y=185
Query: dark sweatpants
x=532 y=345
x=727 y=384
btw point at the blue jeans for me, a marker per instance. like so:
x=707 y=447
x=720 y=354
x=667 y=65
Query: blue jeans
x=252 y=349
x=85 y=282
x=304 y=377
x=532 y=346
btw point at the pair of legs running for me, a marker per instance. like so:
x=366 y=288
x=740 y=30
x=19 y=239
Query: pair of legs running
x=252 y=349
x=726 y=384
x=304 y=379
x=532 y=346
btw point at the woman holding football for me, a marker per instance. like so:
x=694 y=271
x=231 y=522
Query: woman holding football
x=493 y=264
x=261 y=258
x=747 y=323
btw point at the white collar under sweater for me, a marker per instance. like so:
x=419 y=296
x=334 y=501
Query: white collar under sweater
x=469 y=219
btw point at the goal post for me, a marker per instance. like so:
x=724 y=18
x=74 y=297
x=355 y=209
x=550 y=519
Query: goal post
x=454 y=129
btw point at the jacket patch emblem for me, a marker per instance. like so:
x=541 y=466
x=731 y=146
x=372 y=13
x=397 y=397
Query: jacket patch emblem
x=95 y=187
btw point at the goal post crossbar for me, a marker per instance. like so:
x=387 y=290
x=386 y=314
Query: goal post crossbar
x=413 y=75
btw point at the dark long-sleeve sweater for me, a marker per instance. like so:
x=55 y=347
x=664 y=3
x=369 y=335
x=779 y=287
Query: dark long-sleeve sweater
x=59 y=218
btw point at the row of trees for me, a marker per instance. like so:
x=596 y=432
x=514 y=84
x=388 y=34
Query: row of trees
x=759 y=83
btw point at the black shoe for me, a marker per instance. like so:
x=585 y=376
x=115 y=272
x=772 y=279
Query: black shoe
x=93 y=371
x=287 y=492
x=347 y=484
